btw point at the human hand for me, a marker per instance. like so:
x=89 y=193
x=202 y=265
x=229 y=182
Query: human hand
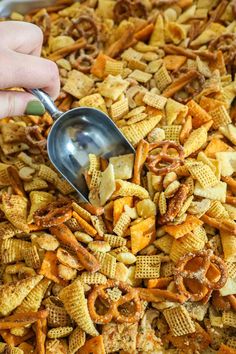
x=21 y=66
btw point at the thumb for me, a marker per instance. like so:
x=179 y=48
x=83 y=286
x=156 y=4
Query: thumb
x=19 y=103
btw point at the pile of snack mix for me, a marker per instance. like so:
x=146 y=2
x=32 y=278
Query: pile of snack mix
x=149 y=266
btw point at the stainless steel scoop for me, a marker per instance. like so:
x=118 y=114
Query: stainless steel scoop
x=77 y=133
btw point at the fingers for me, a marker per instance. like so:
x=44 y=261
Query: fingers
x=21 y=37
x=19 y=103
x=21 y=70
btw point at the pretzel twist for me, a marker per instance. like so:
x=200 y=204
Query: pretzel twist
x=113 y=313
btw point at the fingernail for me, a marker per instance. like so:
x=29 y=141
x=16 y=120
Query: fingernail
x=35 y=108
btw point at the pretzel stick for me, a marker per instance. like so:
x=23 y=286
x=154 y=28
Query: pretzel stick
x=215 y=16
x=230 y=181
x=83 y=223
x=186 y=130
x=180 y=83
x=13 y=340
x=125 y=41
x=189 y=53
x=41 y=331
x=66 y=104
x=157 y=295
x=93 y=209
x=65 y=236
x=61 y=53
x=221 y=225
x=232 y=300
x=140 y=158
x=22 y=319
x=231 y=200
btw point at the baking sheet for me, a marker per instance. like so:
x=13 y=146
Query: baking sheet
x=7 y=6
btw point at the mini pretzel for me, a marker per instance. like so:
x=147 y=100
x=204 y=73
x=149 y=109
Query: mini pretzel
x=113 y=313
x=200 y=275
x=154 y=162
x=44 y=22
x=84 y=27
x=83 y=59
x=227 y=44
x=188 y=82
x=122 y=10
x=34 y=137
x=53 y=214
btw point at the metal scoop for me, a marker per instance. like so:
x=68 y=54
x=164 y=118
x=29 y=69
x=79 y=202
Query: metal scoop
x=77 y=133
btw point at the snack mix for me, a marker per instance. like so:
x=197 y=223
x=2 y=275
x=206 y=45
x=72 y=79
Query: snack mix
x=149 y=265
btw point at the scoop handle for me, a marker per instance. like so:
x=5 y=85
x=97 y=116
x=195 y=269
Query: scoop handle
x=47 y=101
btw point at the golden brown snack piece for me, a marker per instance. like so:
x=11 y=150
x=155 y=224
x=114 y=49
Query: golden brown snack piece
x=196 y=267
x=153 y=161
x=114 y=313
x=65 y=236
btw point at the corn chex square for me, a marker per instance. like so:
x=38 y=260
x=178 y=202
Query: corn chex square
x=140 y=76
x=153 y=100
x=148 y=267
x=172 y=132
x=229 y=319
x=162 y=78
x=119 y=109
x=220 y=117
x=179 y=321
x=203 y=174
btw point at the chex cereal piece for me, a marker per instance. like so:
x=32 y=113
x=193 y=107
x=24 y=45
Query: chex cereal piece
x=115 y=241
x=63 y=186
x=113 y=67
x=137 y=64
x=93 y=278
x=76 y=340
x=125 y=189
x=122 y=224
x=81 y=211
x=203 y=174
x=162 y=204
x=96 y=179
x=195 y=141
x=172 y=132
x=231 y=267
x=199 y=115
x=153 y=100
x=119 y=109
x=130 y=54
x=135 y=119
x=140 y=76
x=220 y=117
x=12 y=250
x=38 y=200
x=162 y=78
x=73 y=225
x=134 y=112
x=31 y=257
x=98 y=224
x=148 y=267
x=75 y=303
x=94 y=163
x=12 y=295
x=217 y=192
x=35 y=185
x=217 y=210
x=179 y=321
x=7 y=230
x=47 y=174
x=15 y=210
x=57 y=315
x=138 y=131
x=164 y=243
x=108 y=264
x=188 y=243
x=229 y=318
x=167 y=269
x=59 y=332
x=232 y=342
